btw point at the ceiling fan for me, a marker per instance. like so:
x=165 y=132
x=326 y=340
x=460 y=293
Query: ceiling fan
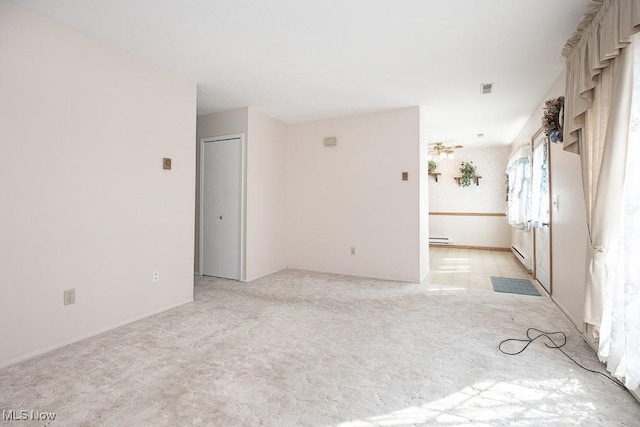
x=439 y=151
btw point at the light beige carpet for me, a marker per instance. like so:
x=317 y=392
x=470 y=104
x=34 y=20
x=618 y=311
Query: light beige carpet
x=309 y=349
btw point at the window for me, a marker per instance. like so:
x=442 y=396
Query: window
x=519 y=189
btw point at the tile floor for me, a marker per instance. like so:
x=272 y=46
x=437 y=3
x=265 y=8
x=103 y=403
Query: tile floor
x=472 y=268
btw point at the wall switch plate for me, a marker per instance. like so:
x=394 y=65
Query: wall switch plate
x=69 y=296
x=353 y=250
x=554 y=202
x=405 y=176
x=166 y=163
x=155 y=278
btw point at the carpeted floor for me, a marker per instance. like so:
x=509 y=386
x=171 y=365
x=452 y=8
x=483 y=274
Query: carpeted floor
x=308 y=349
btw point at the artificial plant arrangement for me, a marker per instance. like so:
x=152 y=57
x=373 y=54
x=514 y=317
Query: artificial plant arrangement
x=432 y=166
x=468 y=172
x=553 y=118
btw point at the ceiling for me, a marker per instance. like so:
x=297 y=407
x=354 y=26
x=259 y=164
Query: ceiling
x=301 y=60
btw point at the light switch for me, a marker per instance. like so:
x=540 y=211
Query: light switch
x=554 y=202
x=166 y=163
x=405 y=176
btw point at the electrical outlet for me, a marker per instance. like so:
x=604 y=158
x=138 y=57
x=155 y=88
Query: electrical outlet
x=353 y=250
x=69 y=296
x=156 y=276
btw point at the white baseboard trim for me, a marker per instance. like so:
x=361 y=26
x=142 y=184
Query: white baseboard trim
x=594 y=346
x=424 y=276
x=578 y=324
x=33 y=354
x=357 y=274
x=583 y=332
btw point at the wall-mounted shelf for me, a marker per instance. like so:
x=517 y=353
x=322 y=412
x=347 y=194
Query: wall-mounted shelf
x=435 y=175
x=476 y=178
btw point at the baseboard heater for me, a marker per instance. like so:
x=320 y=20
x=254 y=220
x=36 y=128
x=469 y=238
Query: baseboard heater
x=440 y=241
x=525 y=260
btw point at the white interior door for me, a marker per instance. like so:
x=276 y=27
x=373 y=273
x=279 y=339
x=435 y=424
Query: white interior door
x=221 y=201
x=543 y=261
x=541 y=214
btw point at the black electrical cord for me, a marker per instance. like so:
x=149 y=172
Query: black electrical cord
x=557 y=345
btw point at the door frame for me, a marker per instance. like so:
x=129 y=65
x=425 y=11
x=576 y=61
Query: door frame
x=535 y=260
x=243 y=200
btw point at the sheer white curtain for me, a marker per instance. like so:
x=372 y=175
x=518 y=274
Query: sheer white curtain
x=620 y=327
x=540 y=187
x=599 y=126
x=528 y=198
x=519 y=190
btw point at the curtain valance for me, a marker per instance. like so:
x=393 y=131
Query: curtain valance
x=606 y=27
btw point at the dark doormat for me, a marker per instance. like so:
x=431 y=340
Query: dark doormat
x=510 y=285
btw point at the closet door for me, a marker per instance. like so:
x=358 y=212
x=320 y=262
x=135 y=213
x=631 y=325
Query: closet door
x=221 y=207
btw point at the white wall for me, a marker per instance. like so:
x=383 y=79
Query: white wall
x=568 y=224
x=569 y=240
x=266 y=153
x=85 y=201
x=489 y=197
x=352 y=195
x=231 y=122
x=423 y=163
x=487 y=232
x=223 y=123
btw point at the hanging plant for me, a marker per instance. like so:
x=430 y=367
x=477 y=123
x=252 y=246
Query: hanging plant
x=553 y=118
x=468 y=172
x=432 y=166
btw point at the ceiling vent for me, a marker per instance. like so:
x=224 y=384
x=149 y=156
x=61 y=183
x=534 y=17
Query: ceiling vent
x=486 y=88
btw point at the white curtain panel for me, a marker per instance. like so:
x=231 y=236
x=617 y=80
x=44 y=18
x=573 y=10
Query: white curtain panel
x=620 y=327
x=519 y=191
x=604 y=191
x=598 y=125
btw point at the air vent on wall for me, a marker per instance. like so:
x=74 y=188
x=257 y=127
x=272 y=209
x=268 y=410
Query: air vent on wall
x=485 y=88
x=330 y=141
